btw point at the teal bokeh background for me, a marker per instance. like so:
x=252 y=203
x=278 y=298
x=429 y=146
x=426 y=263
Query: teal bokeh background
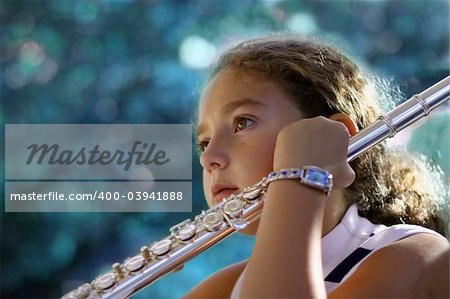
x=143 y=61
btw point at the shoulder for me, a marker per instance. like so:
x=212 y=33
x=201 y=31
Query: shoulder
x=219 y=284
x=414 y=267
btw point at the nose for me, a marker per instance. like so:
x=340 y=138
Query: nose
x=215 y=155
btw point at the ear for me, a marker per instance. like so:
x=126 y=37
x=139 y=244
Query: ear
x=347 y=121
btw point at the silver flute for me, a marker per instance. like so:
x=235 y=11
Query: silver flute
x=190 y=237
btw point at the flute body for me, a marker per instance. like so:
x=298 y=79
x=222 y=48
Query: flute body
x=191 y=237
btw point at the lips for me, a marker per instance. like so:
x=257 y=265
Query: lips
x=220 y=191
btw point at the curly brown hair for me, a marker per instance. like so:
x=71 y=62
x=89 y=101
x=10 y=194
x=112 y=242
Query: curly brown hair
x=320 y=80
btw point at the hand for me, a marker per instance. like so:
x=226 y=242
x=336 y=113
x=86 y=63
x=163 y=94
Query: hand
x=316 y=141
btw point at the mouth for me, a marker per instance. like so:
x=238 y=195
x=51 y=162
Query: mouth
x=224 y=193
x=219 y=192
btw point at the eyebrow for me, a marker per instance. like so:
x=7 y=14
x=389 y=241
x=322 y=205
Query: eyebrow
x=230 y=107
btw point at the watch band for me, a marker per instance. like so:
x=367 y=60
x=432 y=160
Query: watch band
x=310 y=176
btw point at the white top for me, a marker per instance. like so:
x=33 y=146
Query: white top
x=350 y=243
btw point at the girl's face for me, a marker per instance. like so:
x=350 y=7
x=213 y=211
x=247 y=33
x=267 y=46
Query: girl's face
x=239 y=120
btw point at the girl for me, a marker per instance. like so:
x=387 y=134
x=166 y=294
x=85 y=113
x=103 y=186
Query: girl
x=287 y=102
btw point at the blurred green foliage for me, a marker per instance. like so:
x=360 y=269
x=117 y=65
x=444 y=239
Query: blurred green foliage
x=142 y=62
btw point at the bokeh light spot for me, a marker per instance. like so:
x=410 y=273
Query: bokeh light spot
x=85 y=12
x=82 y=76
x=16 y=77
x=46 y=72
x=302 y=22
x=374 y=19
x=196 y=52
x=31 y=53
x=25 y=24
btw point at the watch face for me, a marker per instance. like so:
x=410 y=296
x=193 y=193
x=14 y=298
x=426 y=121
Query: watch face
x=318 y=178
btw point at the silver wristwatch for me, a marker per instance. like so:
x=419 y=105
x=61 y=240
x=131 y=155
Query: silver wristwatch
x=310 y=176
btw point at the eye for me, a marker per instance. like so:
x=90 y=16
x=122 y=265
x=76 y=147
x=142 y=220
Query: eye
x=201 y=146
x=241 y=123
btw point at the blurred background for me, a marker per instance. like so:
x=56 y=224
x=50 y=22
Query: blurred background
x=139 y=62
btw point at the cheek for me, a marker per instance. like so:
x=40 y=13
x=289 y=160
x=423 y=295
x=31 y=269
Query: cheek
x=258 y=162
x=265 y=161
x=206 y=187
